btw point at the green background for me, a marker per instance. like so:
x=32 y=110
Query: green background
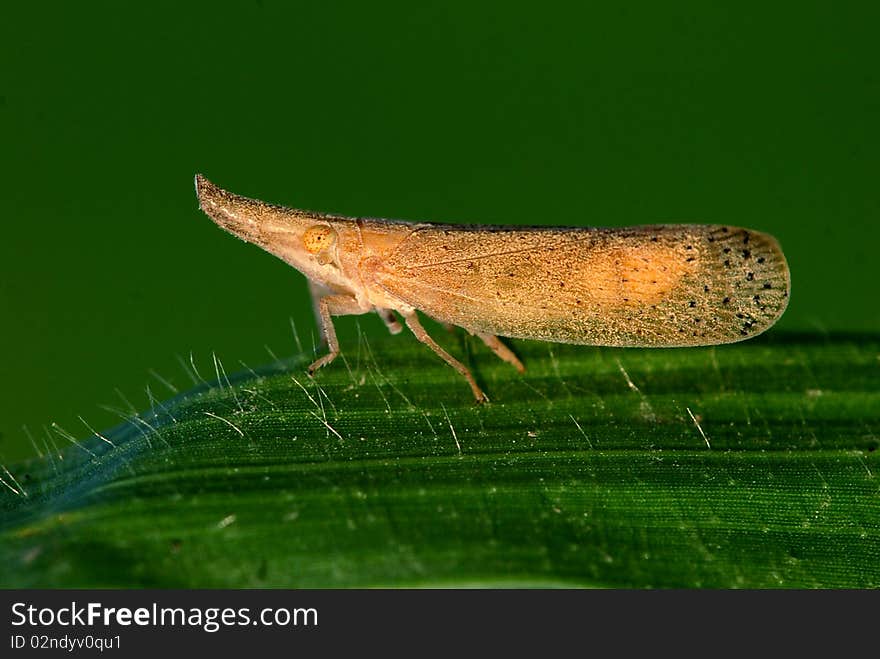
x=763 y=115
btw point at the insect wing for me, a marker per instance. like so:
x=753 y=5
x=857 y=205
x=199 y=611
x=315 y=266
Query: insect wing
x=660 y=286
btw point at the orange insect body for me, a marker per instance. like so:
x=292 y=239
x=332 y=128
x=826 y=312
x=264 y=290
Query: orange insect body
x=648 y=286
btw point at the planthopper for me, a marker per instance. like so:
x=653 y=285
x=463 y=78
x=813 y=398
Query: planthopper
x=656 y=286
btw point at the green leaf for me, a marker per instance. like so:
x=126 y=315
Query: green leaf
x=753 y=465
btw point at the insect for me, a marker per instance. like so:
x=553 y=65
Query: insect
x=647 y=286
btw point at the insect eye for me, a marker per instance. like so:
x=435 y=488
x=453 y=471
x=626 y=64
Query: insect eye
x=318 y=238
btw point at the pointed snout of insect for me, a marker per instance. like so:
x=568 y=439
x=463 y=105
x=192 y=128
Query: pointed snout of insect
x=229 y=211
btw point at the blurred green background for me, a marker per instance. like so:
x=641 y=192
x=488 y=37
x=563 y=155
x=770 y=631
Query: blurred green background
x=764 y=115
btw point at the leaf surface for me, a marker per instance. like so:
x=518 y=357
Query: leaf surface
x=751 y=465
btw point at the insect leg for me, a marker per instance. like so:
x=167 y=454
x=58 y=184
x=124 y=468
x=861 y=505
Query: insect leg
x=317 y=292
x=505 y=353
x=333 y=305
x=391 y=321
x=412 y=321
